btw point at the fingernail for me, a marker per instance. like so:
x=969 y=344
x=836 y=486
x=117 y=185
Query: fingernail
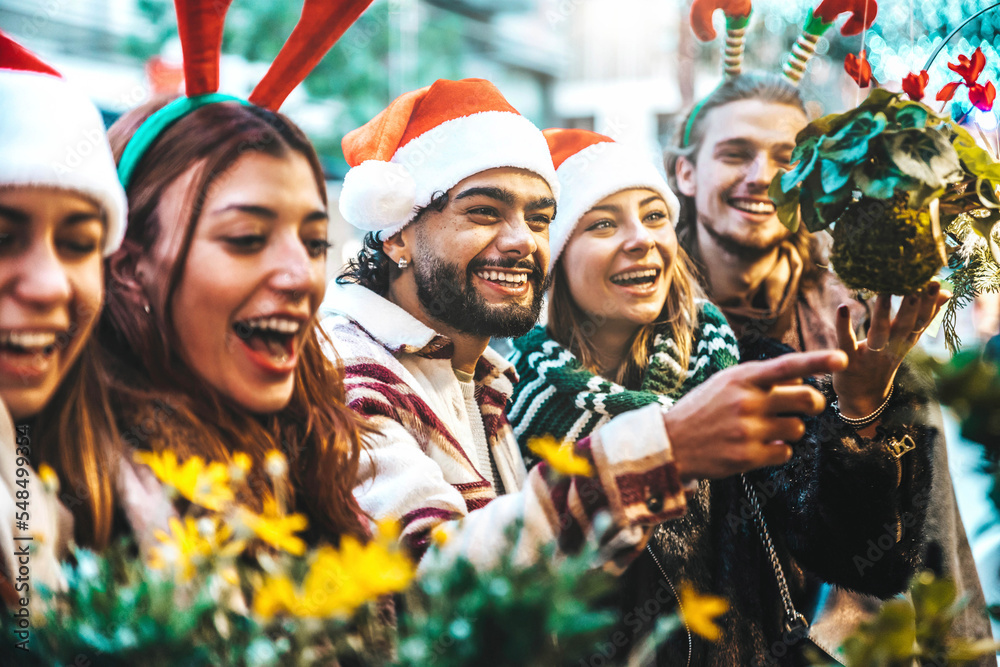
x=843 y=311
x=934 y=289
x=912 y=300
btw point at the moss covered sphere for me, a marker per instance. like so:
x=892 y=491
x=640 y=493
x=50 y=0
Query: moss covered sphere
x=885 y=246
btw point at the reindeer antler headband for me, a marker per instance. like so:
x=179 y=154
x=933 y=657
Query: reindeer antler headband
x=819 y=21
x=737 y=14
x=200 y=23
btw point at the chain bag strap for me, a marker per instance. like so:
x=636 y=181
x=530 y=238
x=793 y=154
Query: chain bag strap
x=795 y=623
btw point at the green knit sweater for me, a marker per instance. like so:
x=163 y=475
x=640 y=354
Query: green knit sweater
x=556 y=396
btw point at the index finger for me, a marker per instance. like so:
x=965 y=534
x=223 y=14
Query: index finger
x=794 y=366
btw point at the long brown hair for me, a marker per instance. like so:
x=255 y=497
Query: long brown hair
x=317 y=431
x=572 y=328
x=75 y=434
x=763 y=86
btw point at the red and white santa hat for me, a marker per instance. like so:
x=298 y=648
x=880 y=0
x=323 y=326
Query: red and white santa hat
x=52 y=135
x=591 y=167
x=427 y=141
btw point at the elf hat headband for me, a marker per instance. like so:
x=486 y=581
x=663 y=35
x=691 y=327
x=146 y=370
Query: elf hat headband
x=427 y=141
x=52 y=135
x=200 y=24
x=592 y=167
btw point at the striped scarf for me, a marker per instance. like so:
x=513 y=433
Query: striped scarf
x=557 y=396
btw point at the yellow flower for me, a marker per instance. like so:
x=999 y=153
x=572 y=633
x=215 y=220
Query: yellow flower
x=560 y=456
x=699 y=612
x=49 y=478
x=277 y=529
x=440 y=535
x=275 y=595
x=204 y=485
x=340 y=580
x=182 y=549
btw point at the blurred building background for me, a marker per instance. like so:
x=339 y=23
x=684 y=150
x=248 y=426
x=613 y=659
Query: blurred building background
x=627 y=68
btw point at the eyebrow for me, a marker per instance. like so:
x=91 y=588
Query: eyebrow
x=266 y=213
x=541 y=203
x=740 y=142
x=15 y=215
x=505 y=196
x=19 y=217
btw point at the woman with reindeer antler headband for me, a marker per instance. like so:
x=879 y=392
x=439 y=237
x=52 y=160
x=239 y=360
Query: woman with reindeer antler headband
x=772 y=284
x=214 y=292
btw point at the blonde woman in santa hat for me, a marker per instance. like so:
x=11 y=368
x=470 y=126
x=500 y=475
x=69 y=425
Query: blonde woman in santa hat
x=61 y=210
x=211 y=313
x=628 y=327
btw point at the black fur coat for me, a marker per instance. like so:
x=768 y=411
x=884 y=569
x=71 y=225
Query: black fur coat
x=844 y=509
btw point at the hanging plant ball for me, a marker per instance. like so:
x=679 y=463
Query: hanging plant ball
x=883 y=245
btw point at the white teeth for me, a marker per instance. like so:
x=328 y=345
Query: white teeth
x=28 y=339
x=635 y=275
x=752 y=206
x=278 y=324
x=501 y=276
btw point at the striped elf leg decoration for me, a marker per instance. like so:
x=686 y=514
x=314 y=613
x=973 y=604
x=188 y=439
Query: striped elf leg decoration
x=736 y=32
x=818 y=22
x=737 y=14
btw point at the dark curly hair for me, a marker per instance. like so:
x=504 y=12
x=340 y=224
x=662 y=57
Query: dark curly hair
x=373 y=268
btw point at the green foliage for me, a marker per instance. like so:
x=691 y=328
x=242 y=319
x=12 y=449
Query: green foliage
x=545 y=614
x=974 y=268
x=884 y=145
x=969 y=384
x=116 y=611
x=915 y=630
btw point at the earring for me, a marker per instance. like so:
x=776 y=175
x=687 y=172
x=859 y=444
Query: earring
x=402 y=264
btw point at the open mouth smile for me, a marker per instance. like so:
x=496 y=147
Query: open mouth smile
x=505 y=281
x=271 y=342
x=636 y=278
x=755 y=206
x=27 y=355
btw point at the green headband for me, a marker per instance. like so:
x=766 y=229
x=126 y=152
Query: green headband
x=695 y=110
x=157 y=124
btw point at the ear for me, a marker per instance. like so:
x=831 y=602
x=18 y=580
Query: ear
x=126 y=273
x=684 y=171
x=396 y=246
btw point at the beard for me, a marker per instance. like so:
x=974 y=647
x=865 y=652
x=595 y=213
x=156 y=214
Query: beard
x=748 y=245
x=447 y=294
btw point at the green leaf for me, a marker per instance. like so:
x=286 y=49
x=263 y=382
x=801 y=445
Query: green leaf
x=803 y=167
x=976 y=160
x=926 y=155
x=912 y=115
x=878 y=100
x=878 y=181
x=834 y=174
x=850 y=144
x=787 y=204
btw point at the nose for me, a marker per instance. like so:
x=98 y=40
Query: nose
x=293 y=271
x=42 y=280
x=639 y=238
x=761 y=170
x=516 y=238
